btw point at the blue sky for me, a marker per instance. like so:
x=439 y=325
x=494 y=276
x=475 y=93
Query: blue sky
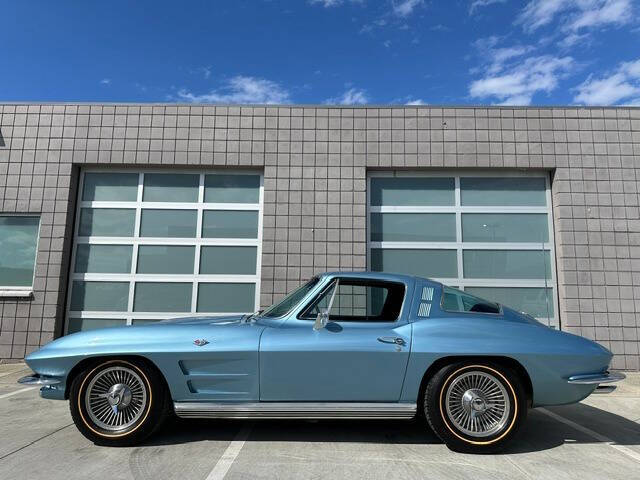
x=537 y=52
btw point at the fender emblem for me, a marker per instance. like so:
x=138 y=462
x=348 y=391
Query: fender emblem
x=200 y=342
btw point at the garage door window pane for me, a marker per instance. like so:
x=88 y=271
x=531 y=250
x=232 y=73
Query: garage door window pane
x=537 y=302
x=163 y=187
x=162 y=297
x=226 y=297
x=111 y=187
x=228 y=260
x=413 y=227
x=505 y=227
x=100 y=296
x=168 y=223
x=515 y=191
x=419 y=191
x=424 y=263
x=103 y=258
x=107 y=222
x=176 y=259
x=18 y=245
x=231 y=188
x=83 y=324
x=507 y=264
x=229 y=224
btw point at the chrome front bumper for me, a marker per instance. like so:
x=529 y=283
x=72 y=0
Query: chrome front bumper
x=36 y=379
x=596 y=378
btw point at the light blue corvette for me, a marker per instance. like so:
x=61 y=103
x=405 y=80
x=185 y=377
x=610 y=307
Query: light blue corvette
x=348 y=345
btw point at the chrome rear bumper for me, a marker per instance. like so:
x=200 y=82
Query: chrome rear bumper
x=596 y=378
x=36 y=379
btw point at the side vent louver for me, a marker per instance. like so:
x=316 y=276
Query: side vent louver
x=425 y=306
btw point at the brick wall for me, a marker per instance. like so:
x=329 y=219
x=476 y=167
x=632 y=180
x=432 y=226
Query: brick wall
x=315 y=161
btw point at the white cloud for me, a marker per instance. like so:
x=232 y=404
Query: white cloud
x=482 y=3
x=241 y=89
x=517 y=82
x=621 y=85
x=417 y=101
x=105 y=81
x=353 y=96
x=577 y=14
x=404 y=8
x=332 y=3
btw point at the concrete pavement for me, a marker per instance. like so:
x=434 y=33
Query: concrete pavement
x=596 y=439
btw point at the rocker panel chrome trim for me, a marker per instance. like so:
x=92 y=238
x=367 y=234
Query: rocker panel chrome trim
x=597 y=378
x=278 y=410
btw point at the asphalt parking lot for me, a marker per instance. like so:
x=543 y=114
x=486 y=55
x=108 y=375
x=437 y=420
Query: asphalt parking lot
x=596 y=439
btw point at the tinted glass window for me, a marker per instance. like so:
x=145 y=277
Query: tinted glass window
x=359 y=301
x=454 y=300
x=287 y=303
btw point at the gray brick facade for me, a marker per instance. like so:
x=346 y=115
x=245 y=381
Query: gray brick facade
x=315 y=162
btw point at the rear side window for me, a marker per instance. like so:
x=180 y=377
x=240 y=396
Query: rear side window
x=359 y=301
x=454 y=300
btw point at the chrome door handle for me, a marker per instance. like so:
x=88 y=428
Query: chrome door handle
x=394 y=340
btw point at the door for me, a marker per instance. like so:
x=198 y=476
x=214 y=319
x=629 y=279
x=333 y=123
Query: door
x=359 y=356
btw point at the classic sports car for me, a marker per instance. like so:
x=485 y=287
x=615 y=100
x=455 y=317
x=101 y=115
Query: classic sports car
x=343 y=345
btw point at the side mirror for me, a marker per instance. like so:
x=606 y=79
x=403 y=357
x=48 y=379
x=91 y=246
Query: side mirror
x=321 y=320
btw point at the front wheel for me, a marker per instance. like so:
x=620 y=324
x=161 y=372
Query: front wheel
x=475 y=407
x=117 y=402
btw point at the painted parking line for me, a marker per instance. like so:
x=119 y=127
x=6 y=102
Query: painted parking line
x=593 y=434
x=10 y=394
x=13 y=372
x=230 y=454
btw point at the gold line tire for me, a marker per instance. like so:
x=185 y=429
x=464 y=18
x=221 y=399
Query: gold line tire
x=150 y=397
x=443 y=409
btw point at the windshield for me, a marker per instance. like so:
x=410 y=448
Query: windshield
x=287 y=303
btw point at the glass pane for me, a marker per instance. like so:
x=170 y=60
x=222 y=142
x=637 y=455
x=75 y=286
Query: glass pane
x=229 y=224
x=231 y=188
x=144 y=321
x=100 y=296
x=226 y=297
x=227 y=260
x=170 y=187
x=162 y=297
x=103 y=258
x=423 y=263
x=83 y=324
x=416 y=191
x=514 y=191
x=506 y=264
x=505 y=227
x=107 y=222
x=413 y=227
x=18 y=242
x=530 y=300
x=168 y=223
x=118 y=187
x=457 y=301
x=166 y=259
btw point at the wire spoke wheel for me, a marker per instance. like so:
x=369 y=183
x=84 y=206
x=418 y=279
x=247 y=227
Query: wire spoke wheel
x=477 y=404
x=115 y=398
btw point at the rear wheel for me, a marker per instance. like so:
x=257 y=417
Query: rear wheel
x=117 y=402
x=475 y=407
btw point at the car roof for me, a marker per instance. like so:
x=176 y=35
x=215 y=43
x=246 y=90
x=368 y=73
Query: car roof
x=377 y=276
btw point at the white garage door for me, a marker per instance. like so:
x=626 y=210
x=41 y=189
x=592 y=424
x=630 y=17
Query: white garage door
x=153 y=245
x=486 y=233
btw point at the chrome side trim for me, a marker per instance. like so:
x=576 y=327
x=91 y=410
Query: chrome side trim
x=275 y=410
x=39 y=380
x=596 y=378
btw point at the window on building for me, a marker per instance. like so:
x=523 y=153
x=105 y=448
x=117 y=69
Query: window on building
x=159 y=244
x=18 y=248
x=487 y=234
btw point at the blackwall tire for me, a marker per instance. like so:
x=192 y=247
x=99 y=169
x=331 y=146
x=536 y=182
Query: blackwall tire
x=118 y=402
x=475 y=407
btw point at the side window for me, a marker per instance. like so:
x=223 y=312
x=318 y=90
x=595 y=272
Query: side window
x=454 y=300
x=358 y=301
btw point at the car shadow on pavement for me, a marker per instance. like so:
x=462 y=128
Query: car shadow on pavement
x=540 y=432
